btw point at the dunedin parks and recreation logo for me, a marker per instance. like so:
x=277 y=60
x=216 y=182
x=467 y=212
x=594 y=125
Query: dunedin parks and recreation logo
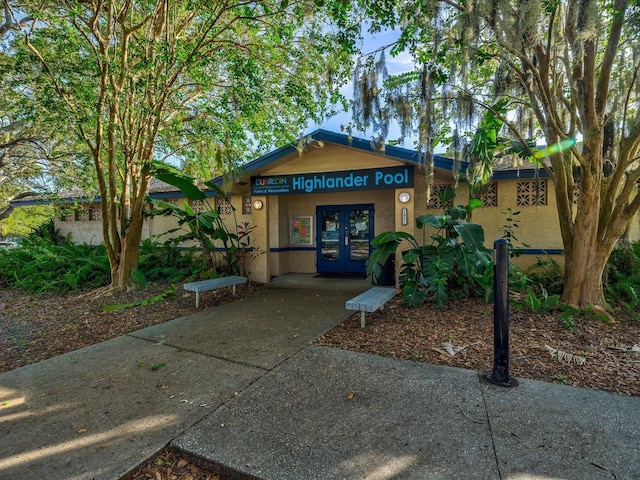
x=371 y=179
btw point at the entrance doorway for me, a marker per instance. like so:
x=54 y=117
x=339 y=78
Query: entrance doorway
x=343 y=238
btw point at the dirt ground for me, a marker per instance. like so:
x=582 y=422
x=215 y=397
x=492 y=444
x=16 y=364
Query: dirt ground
x=594 y=354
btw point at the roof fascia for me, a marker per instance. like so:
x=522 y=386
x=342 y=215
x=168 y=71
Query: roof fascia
x=519 y=174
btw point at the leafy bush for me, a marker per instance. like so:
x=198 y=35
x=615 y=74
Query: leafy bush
x=39 y=266
x=45 y=233
x=622 y=276
x=547 y=273
x=168 y=263
x=621 y=282
x=543 y=302
x=454 y=264
x=45 y=262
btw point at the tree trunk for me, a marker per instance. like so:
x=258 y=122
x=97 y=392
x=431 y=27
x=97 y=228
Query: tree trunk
x=123 y=279
x=127 y=261
x=583 y=285
x=587 y=254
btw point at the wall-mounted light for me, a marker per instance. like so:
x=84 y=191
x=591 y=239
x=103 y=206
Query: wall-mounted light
x=404 y=197
x=257 y=204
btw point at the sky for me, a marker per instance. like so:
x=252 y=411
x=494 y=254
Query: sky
x=395 y=65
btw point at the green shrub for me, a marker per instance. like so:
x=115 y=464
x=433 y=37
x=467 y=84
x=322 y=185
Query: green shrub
x=454 y=265
x=45 y=233
x=39 y=266
x=168 y=263
x=47 y=262
x=622 y=276
x=547 y=273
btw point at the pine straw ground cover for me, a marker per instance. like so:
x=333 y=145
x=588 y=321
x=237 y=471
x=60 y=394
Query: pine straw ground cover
x=37 y=327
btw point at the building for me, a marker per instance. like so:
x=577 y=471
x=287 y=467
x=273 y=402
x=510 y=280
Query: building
x=317 y=209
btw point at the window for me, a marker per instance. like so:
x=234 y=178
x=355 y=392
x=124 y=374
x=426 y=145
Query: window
x=82 y=214
x=247 y=209
x=94 y=212
x=489 y=195
x=197 y=206
x=531 y=193
x=67 y=215
x=223 y=206
x=435 y=201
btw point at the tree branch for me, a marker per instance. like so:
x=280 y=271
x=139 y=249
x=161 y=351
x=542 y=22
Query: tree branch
x=10 y=23
x=8 y=210
x=602 y=89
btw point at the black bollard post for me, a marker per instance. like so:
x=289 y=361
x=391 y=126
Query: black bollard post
x=500 y=374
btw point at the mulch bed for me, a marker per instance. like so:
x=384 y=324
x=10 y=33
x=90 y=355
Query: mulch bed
x=418 y=334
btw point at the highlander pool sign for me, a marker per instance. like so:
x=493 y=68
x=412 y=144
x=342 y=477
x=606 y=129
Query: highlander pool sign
x=327 y=182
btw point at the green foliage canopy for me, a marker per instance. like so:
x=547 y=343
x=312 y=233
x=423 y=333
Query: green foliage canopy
x=195 y=80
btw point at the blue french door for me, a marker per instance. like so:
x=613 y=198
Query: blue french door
x=344 y=234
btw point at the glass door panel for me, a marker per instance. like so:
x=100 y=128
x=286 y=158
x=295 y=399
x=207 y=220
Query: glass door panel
x=359 y=235
x=330 y=235
x=344 y=238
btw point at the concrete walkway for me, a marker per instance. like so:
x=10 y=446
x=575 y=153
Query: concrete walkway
x=241 y=386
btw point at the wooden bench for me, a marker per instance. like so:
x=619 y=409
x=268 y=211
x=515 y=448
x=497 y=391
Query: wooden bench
x=213 y=284
x=370 y=301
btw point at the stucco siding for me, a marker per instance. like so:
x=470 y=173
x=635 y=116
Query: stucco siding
x=330 y=158
x=81 y=231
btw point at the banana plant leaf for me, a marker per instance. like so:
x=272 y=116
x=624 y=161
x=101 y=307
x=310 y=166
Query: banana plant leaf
x=173 y=176
x=413 y=293
x=435 y=221
x=379 y=256
x=387 y=237
x=472 y=234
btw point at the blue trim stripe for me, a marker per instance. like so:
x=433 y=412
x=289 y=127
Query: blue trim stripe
x=98 y=199
x=29 y=203
x=216 y=249
x=176 y=194
x=523 y=251
x=541 y=251
x=524 y=174
x=292 y=249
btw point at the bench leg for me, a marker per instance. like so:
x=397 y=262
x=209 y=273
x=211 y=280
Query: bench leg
x=197 y=299
x=234 y=289
x=362 y=323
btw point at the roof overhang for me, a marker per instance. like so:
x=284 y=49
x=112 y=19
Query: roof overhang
x=403 y=155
